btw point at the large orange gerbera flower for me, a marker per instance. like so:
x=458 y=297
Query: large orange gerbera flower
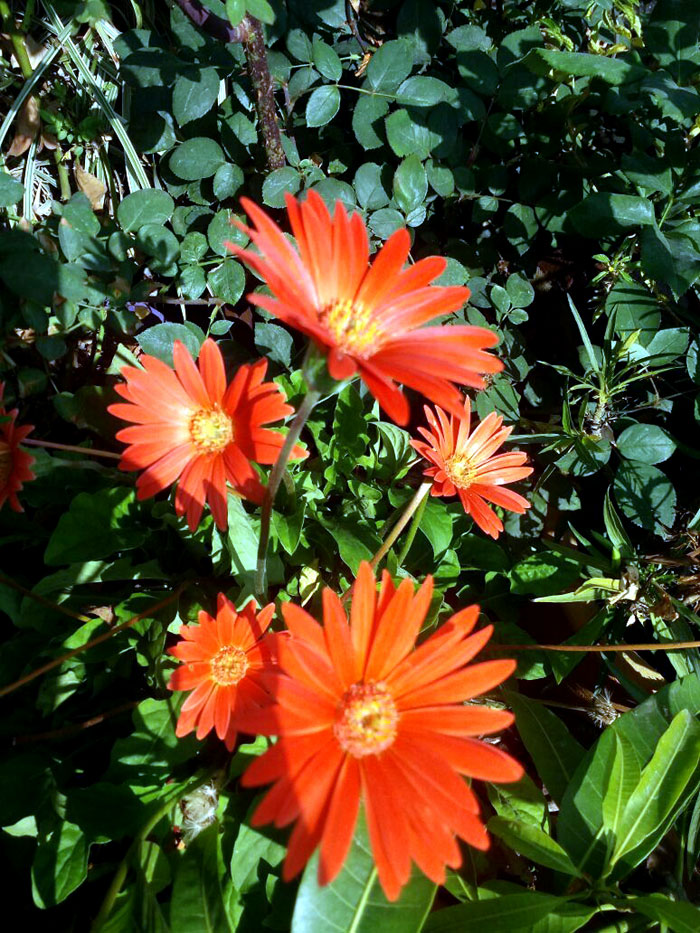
x=362 y=717
x=367 y=318
x=225 y=660
x=465 y=464
x=14 y=462
x=190 y=424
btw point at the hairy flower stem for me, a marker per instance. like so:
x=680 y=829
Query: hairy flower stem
x=412 y=509
x=122 y=870
x=664 y=646
x=302 y=415
x=71 y=448
x=415 y=525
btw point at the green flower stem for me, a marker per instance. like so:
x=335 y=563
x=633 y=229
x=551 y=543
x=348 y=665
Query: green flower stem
x=17 y=40
x=414 y=507
x=415 y=525
x=302 y=415
x=123 y=868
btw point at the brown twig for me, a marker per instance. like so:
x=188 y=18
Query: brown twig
x=71 y=448
x=8 y=581
x=50 y=665
x=667 y=646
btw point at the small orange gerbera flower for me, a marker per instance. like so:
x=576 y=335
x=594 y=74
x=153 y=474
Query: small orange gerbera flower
x=14 y=462
x=225 y=660
x=362 y=717
x=367 y=318
x=191 y=425
x=465 y=464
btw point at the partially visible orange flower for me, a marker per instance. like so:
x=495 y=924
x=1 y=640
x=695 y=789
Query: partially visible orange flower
x=14 y=462
x=225 y=660
x=367 y=319
x=465 y=464
x=365 y=717
x=193 y=427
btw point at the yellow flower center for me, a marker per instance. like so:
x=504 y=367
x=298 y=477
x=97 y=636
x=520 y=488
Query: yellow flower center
x=461 y=470
x=5 y=463
x=366 y=720
x=229 y=666
x=351 y=325
x=211 y=430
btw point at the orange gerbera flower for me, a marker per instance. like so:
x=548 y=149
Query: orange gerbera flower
x=225 y=660
x=362 y=717
x=465 y=464
x=367 y=318
x=14 y=462
x=191 y=425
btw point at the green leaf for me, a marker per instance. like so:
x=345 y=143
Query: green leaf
x=148 y=756
x=198 y=901
x=227 y=180
x=389 y=66
x=194 y=94
x=678 y=916
x=354 y=902
x=646 y=442
x=275 y=341
x=326 y=60
x=635 y=309
x=235 y=10
x=60 y=865
x=583 y=65
x=369 y=187
x=96 y=525
x=615 y=529
x=607 y=214
x=227 y=281
x=261 y=10
x=436 y=525
x=144 y=207
x=407 y=136
x=522 y=801
x=221 y=231
x=367 y=120
x=160 y=244
x=410 y=184
x=646 y=496
x=423 y=91
x=533 y=843
x=241 y=542
x=543 y=574
x=509 y=913
x=322 y=105
x=277 y=183
x=554 y=750
x=592 y=806
x=671 y=259
x=158 y=340
x=197 y=158
x=11 y=191
x=665 y=785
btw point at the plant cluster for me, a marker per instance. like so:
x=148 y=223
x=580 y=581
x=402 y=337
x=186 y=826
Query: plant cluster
x=242 y=244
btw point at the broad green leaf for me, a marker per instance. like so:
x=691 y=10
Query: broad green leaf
x=611 y=213
x=148 y=755
x=159 y=340
x=678 y=916
x=591 y=807
x=646 y=496
x=510 y=913
x=367 y=120
x=144 y=207
x=278 y=183
x=11 y=190
x=195 y=94
x=554 y=750
x=96 y=525
x=646 y=442
x=582 y=64
x=533 y=843
x=410 y=184
x=369 y=187
x=227 y=281
x=354 y=902
x=666 y=783
x=199 y=902
x=326 y=60
x=60 y=865
x=522 y=801
x=423 y=91
x=670 y=258
x=197 y=158
x=389 y=66
x=322 y=105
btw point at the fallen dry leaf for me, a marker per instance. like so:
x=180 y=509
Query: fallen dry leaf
x=28 y=125
x=90 y=186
